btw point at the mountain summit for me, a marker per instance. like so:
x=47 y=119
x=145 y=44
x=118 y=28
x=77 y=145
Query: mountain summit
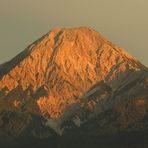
x=72 y=82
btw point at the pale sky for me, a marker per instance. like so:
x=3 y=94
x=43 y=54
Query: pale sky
x=124 y=22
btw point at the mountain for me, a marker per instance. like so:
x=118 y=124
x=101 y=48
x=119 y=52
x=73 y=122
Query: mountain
x=72 y=84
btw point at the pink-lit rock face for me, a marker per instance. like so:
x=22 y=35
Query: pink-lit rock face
x=68 y=69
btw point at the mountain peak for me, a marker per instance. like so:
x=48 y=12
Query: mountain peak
x=73 y=50
x=80 y=57
x=82 y=36
x=62 y=73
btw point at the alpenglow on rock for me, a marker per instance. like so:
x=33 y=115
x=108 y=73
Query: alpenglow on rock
x=70 y=79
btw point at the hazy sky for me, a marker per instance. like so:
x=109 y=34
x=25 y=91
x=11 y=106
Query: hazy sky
x=124 y=22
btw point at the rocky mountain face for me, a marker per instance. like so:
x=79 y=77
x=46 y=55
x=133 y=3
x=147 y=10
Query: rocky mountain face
x=72 y=82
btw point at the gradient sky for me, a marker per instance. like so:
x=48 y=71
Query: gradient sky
x=124 y=22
